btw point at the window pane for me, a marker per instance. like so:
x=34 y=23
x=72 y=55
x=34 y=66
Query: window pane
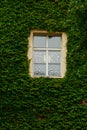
x=54 y=56
x=40 y=41
x=40 y=69
x=54 y=42
x=39 y=56
x=54 y=70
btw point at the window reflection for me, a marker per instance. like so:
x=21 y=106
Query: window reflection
x=54 y=42
x=54 y=69
x=55 y=56
x=40 y=69
x=40 y=41
x=39 y=56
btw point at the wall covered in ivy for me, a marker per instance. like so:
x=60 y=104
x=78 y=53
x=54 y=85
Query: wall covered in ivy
x=42 y=103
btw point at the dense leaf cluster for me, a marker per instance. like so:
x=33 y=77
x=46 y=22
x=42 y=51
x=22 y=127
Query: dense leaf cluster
x=42 y=103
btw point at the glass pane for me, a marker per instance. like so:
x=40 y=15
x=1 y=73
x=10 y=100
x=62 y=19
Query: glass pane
x=39 y=56
x=40 y=69
x=54 y=56
x=54 y=70
x=40 y=41
x=54 y=42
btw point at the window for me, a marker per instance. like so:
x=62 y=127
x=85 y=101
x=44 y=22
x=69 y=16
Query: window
x=47 y=54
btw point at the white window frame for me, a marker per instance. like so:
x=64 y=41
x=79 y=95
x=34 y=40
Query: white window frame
x=63 y=51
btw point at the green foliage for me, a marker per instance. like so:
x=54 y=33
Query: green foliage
x=42 y=103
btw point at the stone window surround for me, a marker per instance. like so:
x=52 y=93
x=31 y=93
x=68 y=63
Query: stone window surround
x=63 y=50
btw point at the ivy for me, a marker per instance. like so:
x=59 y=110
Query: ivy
x=42 y=103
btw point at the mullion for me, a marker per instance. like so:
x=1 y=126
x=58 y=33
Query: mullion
x=46 y=55
x=54 y=49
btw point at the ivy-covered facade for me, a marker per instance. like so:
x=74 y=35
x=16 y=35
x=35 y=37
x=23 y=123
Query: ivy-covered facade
x=43 y=103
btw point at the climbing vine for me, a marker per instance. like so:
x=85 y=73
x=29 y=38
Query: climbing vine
x=42 y=103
